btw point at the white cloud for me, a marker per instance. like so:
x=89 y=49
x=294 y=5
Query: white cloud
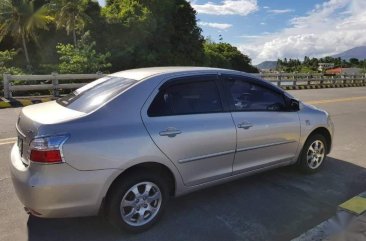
x=280 y=11
x=227 y=7
x=221 y=26
x=323 y=31
x=250 y=36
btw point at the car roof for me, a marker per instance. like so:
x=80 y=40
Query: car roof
x=145 y=73
x=142 y=73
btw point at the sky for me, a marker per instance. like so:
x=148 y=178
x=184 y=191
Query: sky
x=272 y=29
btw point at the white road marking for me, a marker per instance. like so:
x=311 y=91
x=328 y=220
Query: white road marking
x=7 y=141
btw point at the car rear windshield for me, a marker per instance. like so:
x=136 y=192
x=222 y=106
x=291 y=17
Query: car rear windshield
x=95 y=94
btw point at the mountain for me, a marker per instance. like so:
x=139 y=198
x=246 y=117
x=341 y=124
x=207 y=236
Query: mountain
x=358 y=53
x=267 y=65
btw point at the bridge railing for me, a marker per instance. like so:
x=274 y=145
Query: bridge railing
x=296 y=79
x=56 y=82
x=53 y=82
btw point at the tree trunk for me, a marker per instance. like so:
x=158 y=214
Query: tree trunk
x=74 y=35
x=26 y=51
x=74 y=30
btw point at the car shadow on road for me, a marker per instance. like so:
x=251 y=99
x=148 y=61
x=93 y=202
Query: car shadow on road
x=276 y=205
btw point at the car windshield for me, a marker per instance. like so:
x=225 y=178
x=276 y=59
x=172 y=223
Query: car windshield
x=95 y=94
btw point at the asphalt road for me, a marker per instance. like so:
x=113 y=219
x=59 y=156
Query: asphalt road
x=276 y=205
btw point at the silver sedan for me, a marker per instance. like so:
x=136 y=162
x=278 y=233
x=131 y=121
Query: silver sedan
x=123 y=144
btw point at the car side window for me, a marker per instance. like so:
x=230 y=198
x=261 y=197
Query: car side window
x=193 y=97
x=245 y=95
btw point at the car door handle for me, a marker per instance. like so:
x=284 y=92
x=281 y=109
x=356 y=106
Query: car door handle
x=245 y=125
x=170 y=132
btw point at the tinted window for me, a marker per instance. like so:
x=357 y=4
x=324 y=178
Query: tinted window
x=247 y=96
x=186 y=98
x=95 y=94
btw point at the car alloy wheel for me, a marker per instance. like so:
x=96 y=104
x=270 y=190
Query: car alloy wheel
x=315 y=154
x=141 y=203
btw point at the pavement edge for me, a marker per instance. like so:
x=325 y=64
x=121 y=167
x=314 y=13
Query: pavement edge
x=348 y=212
x=12 y=102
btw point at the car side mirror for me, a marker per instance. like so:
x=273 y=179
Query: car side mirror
x=294 y=105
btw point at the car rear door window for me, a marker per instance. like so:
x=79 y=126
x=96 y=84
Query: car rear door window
x=191 y=97
x=245 y=95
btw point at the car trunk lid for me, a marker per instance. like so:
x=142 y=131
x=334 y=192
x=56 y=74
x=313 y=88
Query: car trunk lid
x=32 y=118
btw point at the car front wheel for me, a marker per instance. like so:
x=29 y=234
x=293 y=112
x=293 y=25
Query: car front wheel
x=313 y=154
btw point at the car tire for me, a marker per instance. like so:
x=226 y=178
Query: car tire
x=131 y=206
x=313 y=154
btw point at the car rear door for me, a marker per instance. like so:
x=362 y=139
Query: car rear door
x=185 y=119
x=267 y=132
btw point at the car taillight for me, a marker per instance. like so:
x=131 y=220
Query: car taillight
x=47 y=149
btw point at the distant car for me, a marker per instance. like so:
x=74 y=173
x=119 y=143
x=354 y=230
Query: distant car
x=124 y=143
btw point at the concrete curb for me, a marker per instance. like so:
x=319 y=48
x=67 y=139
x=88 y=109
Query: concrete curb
x=321 y=86
x=349 y=214
x=7 y=103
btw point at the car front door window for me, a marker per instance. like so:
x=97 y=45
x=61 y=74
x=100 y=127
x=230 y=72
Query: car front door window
x=248 y=96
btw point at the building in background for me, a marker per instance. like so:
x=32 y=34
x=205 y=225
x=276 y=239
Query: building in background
x=325 y=66
x=345 y=71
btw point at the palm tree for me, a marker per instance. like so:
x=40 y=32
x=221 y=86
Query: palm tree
x=70 y=14
x=19 y=19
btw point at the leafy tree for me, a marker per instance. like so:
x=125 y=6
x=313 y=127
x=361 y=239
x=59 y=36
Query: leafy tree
x=136 y=33
x=354 y=62
x=311 y=65
x=70 y=15
x=6 y=65
x=6 y=59
x=83 y=58
x=20 y=19
x=153 y=33
x=187 y=47
x=225 y=55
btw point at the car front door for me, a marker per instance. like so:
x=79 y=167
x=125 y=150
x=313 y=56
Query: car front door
x=185 y=119
x=267 y=132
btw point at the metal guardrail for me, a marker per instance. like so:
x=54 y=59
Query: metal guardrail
x=281 y=79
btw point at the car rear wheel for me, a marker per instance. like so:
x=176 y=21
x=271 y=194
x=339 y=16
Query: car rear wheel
x=137 y=201
x=313 y=154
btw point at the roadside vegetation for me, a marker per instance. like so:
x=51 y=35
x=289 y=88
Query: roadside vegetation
x=79 y=36
x=310 y=65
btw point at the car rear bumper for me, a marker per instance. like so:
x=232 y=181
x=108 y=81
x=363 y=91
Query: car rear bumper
x=58 y=190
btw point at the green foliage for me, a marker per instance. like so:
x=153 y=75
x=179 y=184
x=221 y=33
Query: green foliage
x=6 y=59
x=224 y=55
x=132 y=33
x=128 y=12
x=81 y=59
x=310 y=65
x=152 y=33
x=70 y=15
x=19 y=19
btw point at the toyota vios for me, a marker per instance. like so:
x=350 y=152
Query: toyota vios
x=123 y=144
